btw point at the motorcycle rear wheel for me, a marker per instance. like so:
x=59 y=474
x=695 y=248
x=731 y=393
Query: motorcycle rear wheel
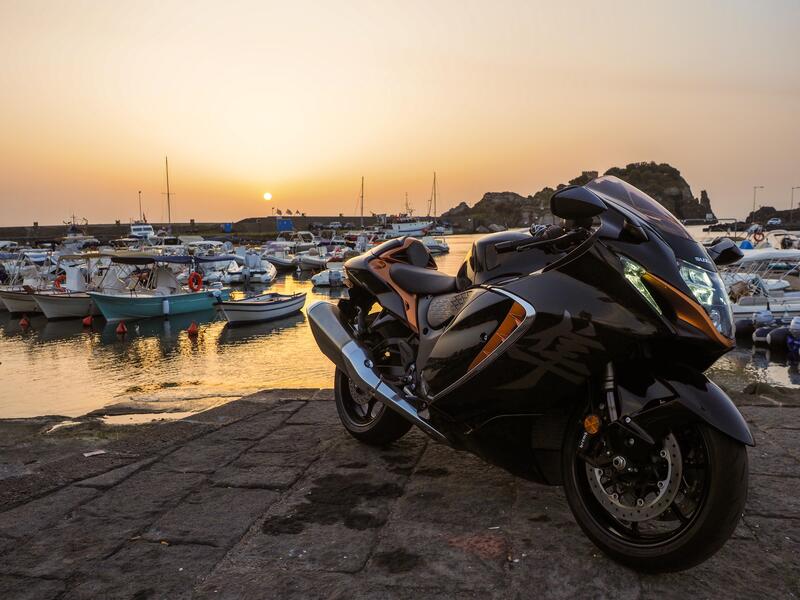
x=713 y=486
x=365 y=418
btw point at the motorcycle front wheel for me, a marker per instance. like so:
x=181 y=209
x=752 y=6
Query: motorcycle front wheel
x=666 y=508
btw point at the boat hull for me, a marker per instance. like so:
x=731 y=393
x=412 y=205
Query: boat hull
x=66 y=306
x=312 y=263
x=282 y=264
x=125 y=307
x=19 y=302
x=238 y=313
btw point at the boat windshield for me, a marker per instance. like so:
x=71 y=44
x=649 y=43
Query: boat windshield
x=614 y=189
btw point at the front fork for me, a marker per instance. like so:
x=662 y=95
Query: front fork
x=605 y=424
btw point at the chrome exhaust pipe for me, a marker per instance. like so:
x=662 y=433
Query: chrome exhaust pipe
x=336 y=342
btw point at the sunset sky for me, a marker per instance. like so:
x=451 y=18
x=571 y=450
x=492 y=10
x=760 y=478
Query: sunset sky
x=301 y=99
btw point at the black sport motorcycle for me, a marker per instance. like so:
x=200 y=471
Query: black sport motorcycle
x=569 y=356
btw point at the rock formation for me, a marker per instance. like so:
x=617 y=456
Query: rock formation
x=662 y=182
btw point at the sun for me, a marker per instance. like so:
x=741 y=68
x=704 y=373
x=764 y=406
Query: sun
x=267 y=196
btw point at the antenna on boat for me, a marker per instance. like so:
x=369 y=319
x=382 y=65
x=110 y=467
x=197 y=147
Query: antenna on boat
x=409 y=210
x=362 y=202
x=140 y=205
x=168 y=194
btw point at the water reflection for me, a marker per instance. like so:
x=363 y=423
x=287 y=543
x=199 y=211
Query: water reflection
x=62 y=367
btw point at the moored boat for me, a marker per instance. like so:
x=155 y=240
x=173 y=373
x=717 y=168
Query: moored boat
x=333 y=276
x=19 y=300
x=314 y=259
x=154 y=291
x=144 y=305
x=265 y=307
x=66 y=305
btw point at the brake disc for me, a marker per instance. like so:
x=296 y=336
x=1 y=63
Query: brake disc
x=624 y=503
x=359 y=396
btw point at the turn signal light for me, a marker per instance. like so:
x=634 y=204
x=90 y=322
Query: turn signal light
x=591 y=424
x=514 y=318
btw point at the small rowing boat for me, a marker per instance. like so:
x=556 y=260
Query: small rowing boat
x=264 y=307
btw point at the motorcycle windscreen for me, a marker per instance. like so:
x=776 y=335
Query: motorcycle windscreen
x=474 y=339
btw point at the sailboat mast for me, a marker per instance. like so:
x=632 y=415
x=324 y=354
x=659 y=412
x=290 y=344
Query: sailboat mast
x=140 y=205
x=434 y=195
x=362 y=202
x=169 y=208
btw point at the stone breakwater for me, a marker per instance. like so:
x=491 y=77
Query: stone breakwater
x=268 y=497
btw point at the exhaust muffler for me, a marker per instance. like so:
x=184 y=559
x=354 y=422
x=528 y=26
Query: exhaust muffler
x=338 y=344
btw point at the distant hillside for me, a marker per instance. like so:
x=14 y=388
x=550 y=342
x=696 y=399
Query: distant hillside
x=661 y=181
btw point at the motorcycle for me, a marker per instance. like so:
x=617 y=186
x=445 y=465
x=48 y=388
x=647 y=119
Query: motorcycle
x=566 y=355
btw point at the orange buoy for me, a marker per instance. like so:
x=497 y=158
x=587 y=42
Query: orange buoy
x=24 y=322
x=87 y=321
x=121 y=328
x=195 y=281
x=192 y=330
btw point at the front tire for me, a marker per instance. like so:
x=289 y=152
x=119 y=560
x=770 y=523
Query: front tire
x=684 y=530
x=365 y=418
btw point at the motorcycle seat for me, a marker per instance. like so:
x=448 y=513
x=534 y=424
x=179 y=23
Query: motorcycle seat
x=418 y=280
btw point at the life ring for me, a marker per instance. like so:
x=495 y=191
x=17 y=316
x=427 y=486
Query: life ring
x=195 y=281
x=59 y=281
x=758 y=237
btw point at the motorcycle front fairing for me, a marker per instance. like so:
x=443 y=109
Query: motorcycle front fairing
x=587 y=315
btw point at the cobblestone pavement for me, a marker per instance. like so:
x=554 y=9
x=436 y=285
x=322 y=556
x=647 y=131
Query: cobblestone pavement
x=268 y=497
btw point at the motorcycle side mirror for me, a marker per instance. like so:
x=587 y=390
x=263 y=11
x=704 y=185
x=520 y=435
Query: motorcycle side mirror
x=724 y=252
x=576 y=203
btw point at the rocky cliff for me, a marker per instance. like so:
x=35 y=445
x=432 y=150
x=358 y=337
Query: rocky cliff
x=664 y=183
x=661 y=181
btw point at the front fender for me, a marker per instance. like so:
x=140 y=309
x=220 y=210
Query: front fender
x=713 y=405
x=688 y=391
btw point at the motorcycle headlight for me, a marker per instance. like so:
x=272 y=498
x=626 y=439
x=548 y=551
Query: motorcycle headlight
x=635 y=273
x=710 y=293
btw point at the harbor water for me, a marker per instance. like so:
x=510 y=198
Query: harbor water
x=64 y=368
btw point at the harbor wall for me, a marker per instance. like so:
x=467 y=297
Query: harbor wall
x=256 y=227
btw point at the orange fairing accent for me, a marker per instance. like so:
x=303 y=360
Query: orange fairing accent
x=514 y=318
x=380 y=266
x=687 y=310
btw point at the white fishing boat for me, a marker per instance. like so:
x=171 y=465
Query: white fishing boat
x=333 y=276
x=18 y=299
x=250 y=268
x=280 y=256
x=314 y=259
x=28 y=272
x=436 y=245
x=408 y=225
x=264 y=273
x=65 y=305
x=69 y=298
x=297 y=241
x=265 y=307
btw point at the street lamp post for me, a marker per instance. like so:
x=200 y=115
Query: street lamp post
x=791 y=203
x=755 y=188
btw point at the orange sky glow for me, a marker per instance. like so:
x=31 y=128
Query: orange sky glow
x=300 y=99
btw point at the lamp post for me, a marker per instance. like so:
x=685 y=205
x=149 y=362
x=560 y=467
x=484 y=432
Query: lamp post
x=791 y=203
x=755 y=188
